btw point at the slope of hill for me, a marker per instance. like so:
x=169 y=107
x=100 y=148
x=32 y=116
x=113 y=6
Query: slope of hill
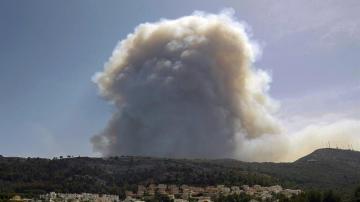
x=328 y=154
x=322 y=169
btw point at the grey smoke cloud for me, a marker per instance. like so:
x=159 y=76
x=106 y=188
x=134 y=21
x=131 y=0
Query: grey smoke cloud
x=185 y=88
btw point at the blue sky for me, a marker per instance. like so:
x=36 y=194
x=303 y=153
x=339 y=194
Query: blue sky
x=49 y=50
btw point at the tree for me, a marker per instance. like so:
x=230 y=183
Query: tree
x=233 y=198
x=330 y=196
x=357 y=195
x=314 y=196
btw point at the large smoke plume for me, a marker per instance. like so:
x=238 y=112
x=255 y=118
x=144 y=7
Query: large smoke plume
x=185 y=88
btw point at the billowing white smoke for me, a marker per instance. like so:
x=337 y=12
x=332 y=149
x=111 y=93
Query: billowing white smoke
x=185 y=88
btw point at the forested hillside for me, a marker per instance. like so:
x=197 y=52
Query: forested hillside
x=323 y=169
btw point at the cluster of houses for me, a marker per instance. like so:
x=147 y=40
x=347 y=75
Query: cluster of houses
x=185 y=193
x=52 y=197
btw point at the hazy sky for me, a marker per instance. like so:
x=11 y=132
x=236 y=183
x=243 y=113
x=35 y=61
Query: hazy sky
x=49 y=50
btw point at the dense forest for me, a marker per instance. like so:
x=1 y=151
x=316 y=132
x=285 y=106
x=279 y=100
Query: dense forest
x=309 y=196
x=113 y=175
x=325 y=169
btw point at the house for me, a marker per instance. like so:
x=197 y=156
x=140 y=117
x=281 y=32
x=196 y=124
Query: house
x=161 y=188
x=204 y=199
x=173 y=189
x=180 y=200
